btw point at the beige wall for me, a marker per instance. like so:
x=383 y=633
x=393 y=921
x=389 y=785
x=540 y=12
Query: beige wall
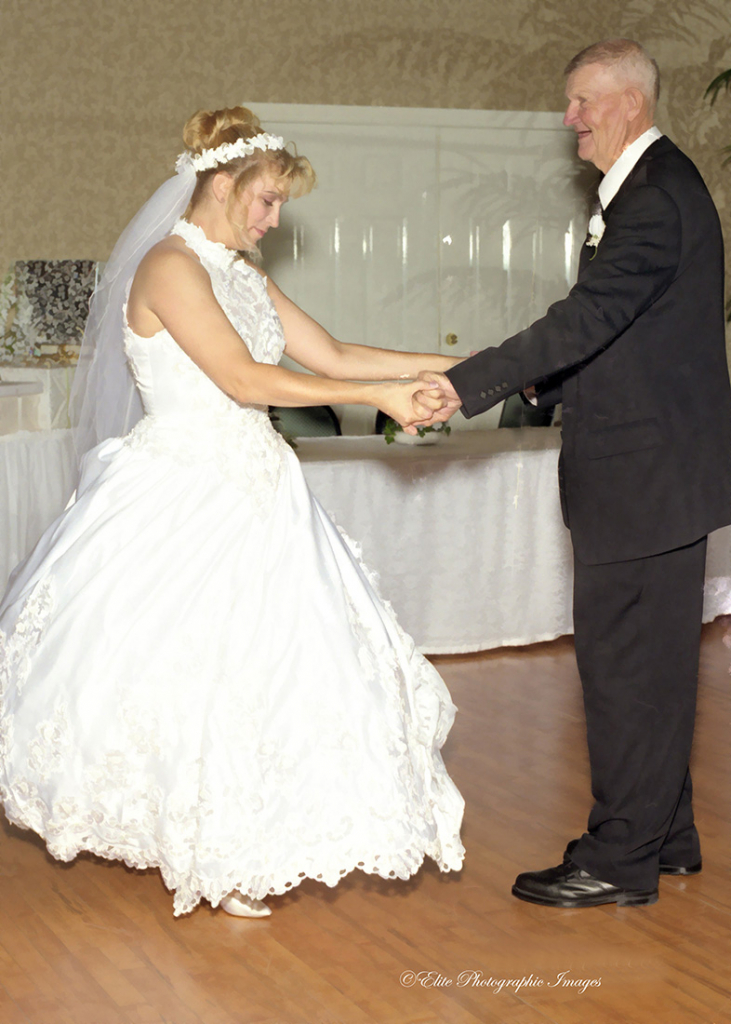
x=94 y=93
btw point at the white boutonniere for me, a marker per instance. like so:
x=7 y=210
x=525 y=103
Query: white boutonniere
x=596 y=230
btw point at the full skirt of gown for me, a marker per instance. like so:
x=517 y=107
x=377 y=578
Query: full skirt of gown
x=219 y=694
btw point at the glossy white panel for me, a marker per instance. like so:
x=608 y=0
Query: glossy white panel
x=511 y=223
x=360 y=252
x=428 y=223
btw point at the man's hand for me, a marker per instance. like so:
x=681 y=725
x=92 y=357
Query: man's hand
x=441 y=385
x=411 y=404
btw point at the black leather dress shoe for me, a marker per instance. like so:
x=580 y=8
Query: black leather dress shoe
x=665 y=869
x=569 y=886
x=678 y=869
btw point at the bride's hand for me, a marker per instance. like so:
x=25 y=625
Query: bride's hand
x=410 y=404
x=451 y=400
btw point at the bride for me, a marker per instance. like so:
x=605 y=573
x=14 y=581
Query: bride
x=196 y=673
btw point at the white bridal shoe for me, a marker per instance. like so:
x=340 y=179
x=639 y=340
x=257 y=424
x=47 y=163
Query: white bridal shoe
x=242 y=906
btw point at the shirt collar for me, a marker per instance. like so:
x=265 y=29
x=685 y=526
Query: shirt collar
x=615 y=176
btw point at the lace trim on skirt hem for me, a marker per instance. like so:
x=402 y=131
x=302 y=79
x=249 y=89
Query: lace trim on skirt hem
x=190 y=889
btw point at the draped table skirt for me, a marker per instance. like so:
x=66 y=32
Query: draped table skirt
x=37 y=478
x=466 y=535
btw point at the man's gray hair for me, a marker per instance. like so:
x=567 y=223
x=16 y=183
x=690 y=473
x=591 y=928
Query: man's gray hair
x=626 y=57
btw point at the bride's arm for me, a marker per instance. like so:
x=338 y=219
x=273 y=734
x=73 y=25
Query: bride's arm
x=310 y=345
x=172 y=290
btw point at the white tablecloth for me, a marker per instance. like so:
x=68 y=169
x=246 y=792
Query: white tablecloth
x=465 y=536
x=37 y=470
x=53 y=403
x=19 y=406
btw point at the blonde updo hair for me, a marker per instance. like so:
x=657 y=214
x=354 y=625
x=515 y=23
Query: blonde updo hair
x=208 y=129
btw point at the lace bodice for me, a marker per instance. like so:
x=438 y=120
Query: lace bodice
x=187 y=416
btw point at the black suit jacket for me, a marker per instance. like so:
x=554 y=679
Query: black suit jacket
x=636 y=352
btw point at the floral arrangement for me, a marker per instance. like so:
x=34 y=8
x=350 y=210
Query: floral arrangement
x=43 y=309
x=391 y=428
x=7 y=315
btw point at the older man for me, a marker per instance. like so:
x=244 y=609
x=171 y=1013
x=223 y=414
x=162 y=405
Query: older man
x=636 y=353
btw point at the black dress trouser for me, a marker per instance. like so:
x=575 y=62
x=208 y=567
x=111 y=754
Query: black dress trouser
x=637 y=629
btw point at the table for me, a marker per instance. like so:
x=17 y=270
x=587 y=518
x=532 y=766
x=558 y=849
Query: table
x=19 y=403
x=55 y=382
x=465 y=536
x=37 y=477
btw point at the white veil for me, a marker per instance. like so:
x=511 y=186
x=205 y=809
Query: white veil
x=104 y=400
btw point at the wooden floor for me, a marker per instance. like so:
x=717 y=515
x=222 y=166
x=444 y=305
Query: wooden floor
x=94 y=943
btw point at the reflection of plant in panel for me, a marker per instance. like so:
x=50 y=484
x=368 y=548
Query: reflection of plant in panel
x=513 y=222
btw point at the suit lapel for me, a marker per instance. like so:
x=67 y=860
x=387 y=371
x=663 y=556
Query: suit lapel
x=636 y=176
x=638 y=172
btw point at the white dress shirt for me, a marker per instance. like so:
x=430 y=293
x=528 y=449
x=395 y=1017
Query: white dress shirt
x=610 y=183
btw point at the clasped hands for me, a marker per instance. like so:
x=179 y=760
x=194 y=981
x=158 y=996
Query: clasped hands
x=428 y=400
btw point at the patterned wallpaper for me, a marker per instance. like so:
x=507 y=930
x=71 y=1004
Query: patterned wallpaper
x=93 y=95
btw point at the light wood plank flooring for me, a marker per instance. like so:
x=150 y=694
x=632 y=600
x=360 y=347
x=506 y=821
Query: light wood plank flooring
x=95 y=943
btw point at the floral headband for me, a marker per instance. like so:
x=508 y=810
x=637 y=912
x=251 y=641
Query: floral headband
x=228 y=151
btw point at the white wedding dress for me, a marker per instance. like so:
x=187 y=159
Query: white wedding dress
x=195 y=671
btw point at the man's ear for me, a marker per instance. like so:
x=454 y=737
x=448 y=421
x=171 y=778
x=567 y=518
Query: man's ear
x=221 y=186
x=635 y=102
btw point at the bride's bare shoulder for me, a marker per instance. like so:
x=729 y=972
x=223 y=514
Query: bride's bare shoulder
x=169 y=272
x=169 y=257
